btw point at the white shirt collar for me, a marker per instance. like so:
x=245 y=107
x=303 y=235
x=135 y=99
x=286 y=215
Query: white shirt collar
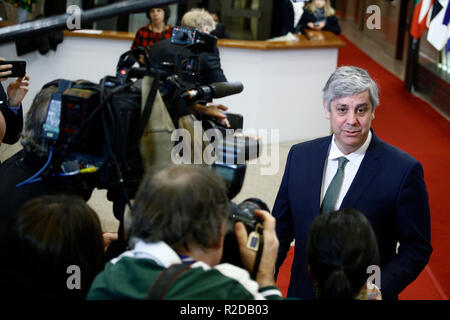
x=159 y=252
x=354 y=157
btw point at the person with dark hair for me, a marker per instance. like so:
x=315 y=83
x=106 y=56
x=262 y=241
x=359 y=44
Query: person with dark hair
x=318 y=15
x=49 y=239
x=11 y=112
x=176 y=232
x=156 y=30
x=353 y=168
x=340 y=249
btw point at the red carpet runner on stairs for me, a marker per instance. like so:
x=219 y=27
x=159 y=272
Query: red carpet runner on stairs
x=414 y=126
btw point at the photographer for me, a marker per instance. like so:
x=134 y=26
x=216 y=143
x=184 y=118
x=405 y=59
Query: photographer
x=179 y=219
x=11 y=114
x=22 y=165
x=210 y=69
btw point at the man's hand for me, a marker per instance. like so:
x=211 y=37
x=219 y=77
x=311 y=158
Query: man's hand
x=108 y=238
x=17 y=90
x=213 y=110
x=265 y=275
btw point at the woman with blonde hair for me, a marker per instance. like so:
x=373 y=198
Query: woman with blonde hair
x=318 y=15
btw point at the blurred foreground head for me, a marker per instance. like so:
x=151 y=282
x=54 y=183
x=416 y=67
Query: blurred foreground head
x=185 y=206
x=46 y=236
x=341 y=246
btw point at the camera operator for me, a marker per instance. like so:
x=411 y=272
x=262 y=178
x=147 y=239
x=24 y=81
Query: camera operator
x=177 y=226
x=209 y=63
x=28 y=161
x=11 y=114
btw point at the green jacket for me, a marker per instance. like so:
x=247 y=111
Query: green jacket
x=131 y=275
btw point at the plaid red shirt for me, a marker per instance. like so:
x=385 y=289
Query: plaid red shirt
x=144 y=37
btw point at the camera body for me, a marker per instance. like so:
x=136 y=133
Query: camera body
x=196 y=41
x=244 y=212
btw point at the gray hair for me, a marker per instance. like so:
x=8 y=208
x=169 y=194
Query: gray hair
x=182 y=205
x=347 y=81
x=199 y=19
x=35 y=118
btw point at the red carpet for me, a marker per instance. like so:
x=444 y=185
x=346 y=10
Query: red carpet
x=415 y=127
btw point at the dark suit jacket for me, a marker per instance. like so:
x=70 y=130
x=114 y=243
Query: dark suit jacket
x=19 y=168
x=331 y=23
x=220 y=31
x=388 y=188
x=14 y=121
x=210 y=68
x=282 y=18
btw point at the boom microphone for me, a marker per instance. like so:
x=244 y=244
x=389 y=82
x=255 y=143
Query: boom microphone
x=224 y=89
x=214 y=90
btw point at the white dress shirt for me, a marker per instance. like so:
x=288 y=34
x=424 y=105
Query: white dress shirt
x=298 y=11
x=354 y=160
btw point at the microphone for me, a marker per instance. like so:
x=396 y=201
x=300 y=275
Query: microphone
x=224 y=89
x=214 y=90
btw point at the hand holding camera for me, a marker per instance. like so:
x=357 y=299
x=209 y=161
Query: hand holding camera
x=19 y=88
x=265 y=275
x=11 y=69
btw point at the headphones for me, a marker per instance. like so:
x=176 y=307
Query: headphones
x=166 y=13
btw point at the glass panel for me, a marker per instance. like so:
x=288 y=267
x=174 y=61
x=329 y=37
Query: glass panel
x=434 y=60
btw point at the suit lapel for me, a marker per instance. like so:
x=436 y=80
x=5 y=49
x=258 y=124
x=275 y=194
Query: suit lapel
x=317 y=171
x=368 y=169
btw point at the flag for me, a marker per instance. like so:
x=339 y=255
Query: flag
x=439 y=30
x=419 y=19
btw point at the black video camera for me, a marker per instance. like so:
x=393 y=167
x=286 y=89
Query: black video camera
x=245 y=213
x=186 y=62
x=193 y=39
x=93 y=129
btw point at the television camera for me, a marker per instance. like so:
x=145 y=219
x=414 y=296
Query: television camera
x=94 y=131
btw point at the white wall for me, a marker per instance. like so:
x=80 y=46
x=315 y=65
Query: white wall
x=282 y=88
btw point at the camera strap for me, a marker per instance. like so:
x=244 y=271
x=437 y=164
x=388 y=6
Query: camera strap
x=148 y=105
x=258 y=258
x=166 y=278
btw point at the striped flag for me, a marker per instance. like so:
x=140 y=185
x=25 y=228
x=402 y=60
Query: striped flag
x=439 y=31
x=420 y=15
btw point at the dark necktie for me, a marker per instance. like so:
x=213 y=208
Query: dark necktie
x=329 y=201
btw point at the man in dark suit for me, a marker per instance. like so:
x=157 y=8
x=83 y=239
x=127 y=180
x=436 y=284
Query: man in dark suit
x=11 y=114
x=353 y=168
x=285 y=16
